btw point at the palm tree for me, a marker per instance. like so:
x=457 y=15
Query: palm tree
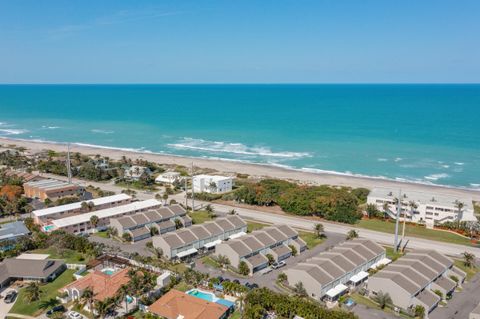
x=383 y=299
x=352 y=234
x=459 y=206
x=385 y=209
x=299 y=289
x=212 y=186
x=84 y=206
x=52 y=302
x=165 y=197
x=232 y=212
x=87 y=298
x=122 y=294
x=104 y=307
x=319 y=230
x=412 y=206
x=94 y=221
x=90 y=206
x=32 y=292
x=282 y=277
x=468 y=259
x=209 y=209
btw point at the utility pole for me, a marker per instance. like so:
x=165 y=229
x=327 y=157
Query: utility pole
x=193 y=192
x=186 y=192
x=69 y=169
x=399 y=208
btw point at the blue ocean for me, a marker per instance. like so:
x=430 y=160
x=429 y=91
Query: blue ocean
x=420 y=133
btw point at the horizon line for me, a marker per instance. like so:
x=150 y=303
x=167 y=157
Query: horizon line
x=248 y=83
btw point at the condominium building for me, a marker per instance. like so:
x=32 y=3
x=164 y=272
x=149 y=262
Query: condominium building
x=51 y=189
x=188 y=241
x=329 y=274
x=42 y=216
x=81 y=223
x=253 y=248
x=417 y=279
x=214 y=184
x=430 y=209
x=139 y=225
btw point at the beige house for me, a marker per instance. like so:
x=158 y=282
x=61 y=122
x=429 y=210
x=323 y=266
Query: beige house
x=188 y=241
x=51 y=189
x=414 y=278
x=253 y=248
x=163 y=219
x=329 y=274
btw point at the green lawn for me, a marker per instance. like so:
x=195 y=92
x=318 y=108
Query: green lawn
x=413 y=231
x=70 y=256
x=102 y=234
x=183 y=286
x=310 y=238
x=391 y=254
x=470 y=271
x=359 y=299
x=252 y=226
x=49 y=291
x=235 y=315
x=207 y=260
x=201 y=216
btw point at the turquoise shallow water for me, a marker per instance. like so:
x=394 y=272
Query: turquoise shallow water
x=422 y=133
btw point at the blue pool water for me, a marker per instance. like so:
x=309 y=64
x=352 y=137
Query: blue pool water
x=48 y=228
x=201 y=295
x=421 y=133
x=108 y=272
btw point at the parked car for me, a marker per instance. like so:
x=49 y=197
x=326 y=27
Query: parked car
x=74 y=315
x=280 y=264
x=58 y=308
x=236 y=281
x=10 y=296
x=220 y=278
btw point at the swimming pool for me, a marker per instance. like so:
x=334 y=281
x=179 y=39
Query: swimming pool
x=202 y=295
x=48 y=228
x=108 y=271
x=208 y=296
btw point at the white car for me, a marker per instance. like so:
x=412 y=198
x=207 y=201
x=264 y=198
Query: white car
x=74 y=315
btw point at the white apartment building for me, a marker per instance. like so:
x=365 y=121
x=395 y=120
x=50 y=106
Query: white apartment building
x=214 y=184
x=431 y=208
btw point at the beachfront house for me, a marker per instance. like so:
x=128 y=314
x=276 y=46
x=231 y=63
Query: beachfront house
x=168 y=178
x=214 y=184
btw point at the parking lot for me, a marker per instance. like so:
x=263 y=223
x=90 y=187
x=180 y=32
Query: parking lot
x=268 y=280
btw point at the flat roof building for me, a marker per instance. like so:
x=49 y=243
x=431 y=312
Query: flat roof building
x=413 y=278
x=42 y=216
x=214 y=184
x=329 y=274
x=168 y=177
x=139 y=225
x=81 y=223
x=253 y=248
x=432 y=209
x=187 y=241
x=51 y=189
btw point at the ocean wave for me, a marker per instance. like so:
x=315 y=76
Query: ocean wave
x=459 y=163
x=12 y=131
x=398 y=159
x=435 y=177
x=101 y=131
x=382 y=159
x=233 y=148
x=50 y=127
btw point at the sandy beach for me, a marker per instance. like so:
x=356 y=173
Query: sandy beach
x=250 y=169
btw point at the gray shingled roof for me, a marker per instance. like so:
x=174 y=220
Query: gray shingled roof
x=257 y=260
x=28 y=268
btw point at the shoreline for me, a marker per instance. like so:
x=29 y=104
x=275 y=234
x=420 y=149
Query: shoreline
x=260 y=170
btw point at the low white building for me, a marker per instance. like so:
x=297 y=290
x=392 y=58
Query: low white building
x=430 y=208
x=168 y=178
x=214 y=184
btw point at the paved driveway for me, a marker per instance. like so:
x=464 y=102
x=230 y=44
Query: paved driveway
x=462 y=303
x=268 y=280
x=4 y=307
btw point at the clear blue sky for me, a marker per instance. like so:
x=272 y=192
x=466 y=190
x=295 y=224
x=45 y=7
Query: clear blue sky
x=262 y=41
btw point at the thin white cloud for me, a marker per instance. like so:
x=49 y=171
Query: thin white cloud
x=119 y=17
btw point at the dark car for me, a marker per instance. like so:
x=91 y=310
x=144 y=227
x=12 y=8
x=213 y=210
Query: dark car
x=253 y=286
x=59 y=308
x=220 y=278
x=226 y=279
x=10 y=297
x=236 y=281
x=247 y=284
